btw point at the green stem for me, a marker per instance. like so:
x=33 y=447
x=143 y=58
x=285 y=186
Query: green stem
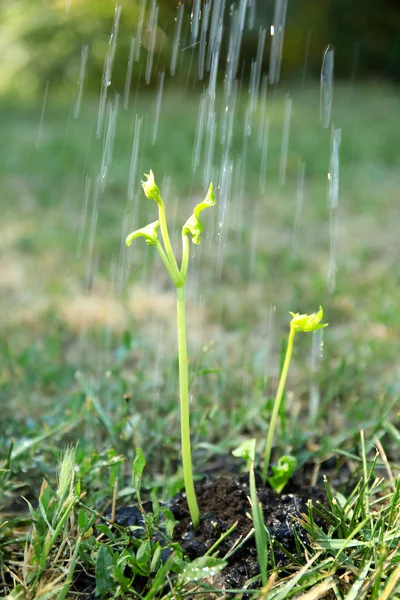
x=185 y=255
x=171 y=272
x=167 y=241
x=277 y=403
x=184 y=404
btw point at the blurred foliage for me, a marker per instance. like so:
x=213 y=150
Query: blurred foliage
x=364 y=34
x=43 y=41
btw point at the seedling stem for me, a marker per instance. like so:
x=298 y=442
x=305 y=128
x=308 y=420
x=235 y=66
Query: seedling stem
x=298 y=323
x=193 y=227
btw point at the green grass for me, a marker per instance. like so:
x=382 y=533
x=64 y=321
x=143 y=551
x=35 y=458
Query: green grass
x=92 y=359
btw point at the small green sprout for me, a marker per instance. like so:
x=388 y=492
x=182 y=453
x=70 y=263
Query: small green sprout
x=282 y=473
x=307 y=323
x=151 y=190
x=194 y=228
x=298 y=324
x=247 y=450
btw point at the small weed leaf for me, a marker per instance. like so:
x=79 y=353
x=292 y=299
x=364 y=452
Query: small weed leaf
x=150 y=188
x=137 y=469
x=282 y=473
x=104 y=563
x=149 y=232
x=193 y=225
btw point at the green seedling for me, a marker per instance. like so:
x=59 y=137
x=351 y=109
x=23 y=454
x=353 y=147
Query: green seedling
x=247 y=450
x=194 y=228
x=299 y=323
x=282 y=472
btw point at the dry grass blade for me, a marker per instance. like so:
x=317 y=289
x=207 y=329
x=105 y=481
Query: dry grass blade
x=391 y=585
x=318 y=591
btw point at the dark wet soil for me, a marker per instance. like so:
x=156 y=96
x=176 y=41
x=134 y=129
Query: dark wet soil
x=224 y=501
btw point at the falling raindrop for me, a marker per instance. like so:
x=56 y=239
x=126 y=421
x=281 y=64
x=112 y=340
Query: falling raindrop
x=203 y=39
x=333 y=176
x=285 y=138
x=210 y=147
x=252 y=14
x=108 y=68
x=216 y=18
x=195 y=20
x=215 y=61
x=112 y=113
x=327 y=86
x=199 y=131
x=177 y=37
x=224 y=194
x=129 y=73
x=333 y=199
x=317 y=350
x=258 y=64
x=152 y=28
x=158 y=106
x=138 y=39
x=82 y=71
x=277 y=34
x=134 y=158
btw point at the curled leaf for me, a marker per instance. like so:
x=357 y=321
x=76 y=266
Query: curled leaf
x=193 y=225
x=149 y=232
x=307 y=323
x=150 y=188
x=282 y=473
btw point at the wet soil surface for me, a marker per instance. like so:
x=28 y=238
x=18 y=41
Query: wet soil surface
x=224 y=501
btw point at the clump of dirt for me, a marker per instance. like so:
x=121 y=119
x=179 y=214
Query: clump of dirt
x=224 y=501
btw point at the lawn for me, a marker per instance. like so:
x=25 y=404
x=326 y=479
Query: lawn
x=88 y=345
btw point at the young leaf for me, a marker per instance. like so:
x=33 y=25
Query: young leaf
x=307 y=323
x=169 y=522
x=246 y=450
x=156 y=560
x=149 y=232
x=193 y=225
x=150 y=188
x=282 y=473
x=143 y=557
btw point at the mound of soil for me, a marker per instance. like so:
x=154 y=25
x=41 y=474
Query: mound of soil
x=224 y=501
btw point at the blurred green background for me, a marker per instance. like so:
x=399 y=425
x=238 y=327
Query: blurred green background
x=42 y=41
x=74 y=300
